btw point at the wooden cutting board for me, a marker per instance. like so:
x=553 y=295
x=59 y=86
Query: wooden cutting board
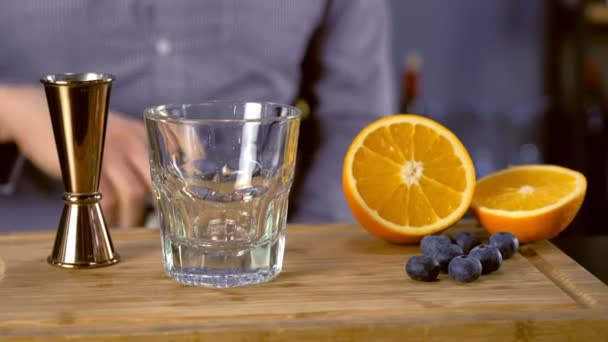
x=338 y=283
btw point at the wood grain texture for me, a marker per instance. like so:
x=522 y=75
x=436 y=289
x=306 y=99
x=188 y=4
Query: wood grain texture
x=338 y=283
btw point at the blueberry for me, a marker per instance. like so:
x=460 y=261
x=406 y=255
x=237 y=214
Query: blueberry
x=489 y=256
x=444 y=254
x=464 y=269
x=466 y=241
x=422 y=268
x=431 y=243
x=507 y=243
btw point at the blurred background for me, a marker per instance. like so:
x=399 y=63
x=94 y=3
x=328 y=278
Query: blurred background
x=518 y=81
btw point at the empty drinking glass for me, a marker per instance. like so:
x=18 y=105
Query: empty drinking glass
x=221 y=176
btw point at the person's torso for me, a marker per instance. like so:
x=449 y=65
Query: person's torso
x=163 y=51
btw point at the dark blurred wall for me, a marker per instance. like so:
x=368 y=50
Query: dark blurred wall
x=482 y=75
x=473 y=50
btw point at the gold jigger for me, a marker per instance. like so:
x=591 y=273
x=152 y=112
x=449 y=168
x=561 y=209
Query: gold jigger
x=78 y=104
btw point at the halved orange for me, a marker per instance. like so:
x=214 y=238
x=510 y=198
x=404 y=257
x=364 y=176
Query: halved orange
x=533 y=202
x=406 y=176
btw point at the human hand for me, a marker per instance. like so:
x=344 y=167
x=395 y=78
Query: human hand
x=125 y=173
x=125 y=180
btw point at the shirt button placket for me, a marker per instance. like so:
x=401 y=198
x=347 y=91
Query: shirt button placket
x=163 y=46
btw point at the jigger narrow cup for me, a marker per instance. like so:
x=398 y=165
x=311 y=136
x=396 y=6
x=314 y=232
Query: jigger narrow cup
x=78 y=105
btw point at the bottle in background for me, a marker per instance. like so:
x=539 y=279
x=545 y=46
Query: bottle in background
x=411 y=77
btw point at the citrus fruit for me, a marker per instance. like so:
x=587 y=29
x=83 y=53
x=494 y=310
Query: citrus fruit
x=406 y=176
x=533 y=202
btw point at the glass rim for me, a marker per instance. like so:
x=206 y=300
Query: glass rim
x=76 y=78
x=151 y=113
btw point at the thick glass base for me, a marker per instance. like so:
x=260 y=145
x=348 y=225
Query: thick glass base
x=220 y=266
x=223 y=279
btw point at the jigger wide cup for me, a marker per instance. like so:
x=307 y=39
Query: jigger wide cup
x=78 y=105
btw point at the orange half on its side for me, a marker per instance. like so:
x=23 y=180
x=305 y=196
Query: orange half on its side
x=406 y=176
x=533 y=202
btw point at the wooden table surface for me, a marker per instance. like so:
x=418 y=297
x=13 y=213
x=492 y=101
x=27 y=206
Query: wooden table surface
x=338 y=283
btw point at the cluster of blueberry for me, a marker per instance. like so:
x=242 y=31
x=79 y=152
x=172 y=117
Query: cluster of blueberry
x=463 y=257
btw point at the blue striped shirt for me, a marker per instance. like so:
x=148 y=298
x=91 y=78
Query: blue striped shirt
x=187 y=51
